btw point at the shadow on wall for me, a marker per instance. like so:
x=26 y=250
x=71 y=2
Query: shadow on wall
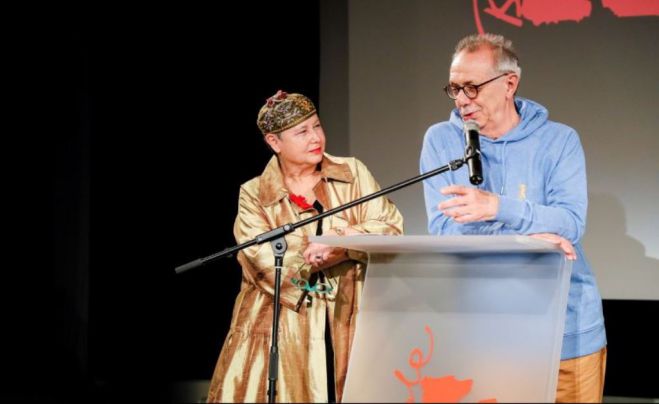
x=622 y=269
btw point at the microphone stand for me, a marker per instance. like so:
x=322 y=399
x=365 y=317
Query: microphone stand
x=277 y=240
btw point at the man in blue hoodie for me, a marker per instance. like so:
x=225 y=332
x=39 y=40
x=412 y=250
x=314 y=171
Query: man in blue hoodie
x=534 y=184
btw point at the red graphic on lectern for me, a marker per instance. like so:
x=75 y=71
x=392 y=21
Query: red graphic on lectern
x=538 y=12
x=446 y=389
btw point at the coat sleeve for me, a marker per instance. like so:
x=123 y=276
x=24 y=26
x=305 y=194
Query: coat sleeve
x=379 y=215
x=258 y=261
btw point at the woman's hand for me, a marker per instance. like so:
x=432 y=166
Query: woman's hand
x=321 y=256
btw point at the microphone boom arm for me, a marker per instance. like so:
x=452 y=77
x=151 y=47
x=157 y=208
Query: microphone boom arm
x=290 y=227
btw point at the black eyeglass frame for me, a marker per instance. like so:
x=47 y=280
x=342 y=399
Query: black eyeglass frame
x=475 y=87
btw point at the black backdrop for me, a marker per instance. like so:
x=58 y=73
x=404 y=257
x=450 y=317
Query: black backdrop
x=138 y=126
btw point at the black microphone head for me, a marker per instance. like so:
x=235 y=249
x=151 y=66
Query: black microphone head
x=473 y=152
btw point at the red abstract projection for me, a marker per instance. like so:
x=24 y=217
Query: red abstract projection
x=539 y=12
x=446 y=389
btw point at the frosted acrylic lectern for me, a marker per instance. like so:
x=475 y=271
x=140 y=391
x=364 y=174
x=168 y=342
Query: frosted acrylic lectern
x=457 y=319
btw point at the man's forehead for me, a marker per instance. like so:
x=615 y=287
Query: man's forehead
x=471 y=66
x=482 y=56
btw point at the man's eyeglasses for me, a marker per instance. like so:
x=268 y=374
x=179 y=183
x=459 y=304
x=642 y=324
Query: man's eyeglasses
x=470 y=90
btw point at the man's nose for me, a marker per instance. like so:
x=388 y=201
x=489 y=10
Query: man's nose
x=462 y=98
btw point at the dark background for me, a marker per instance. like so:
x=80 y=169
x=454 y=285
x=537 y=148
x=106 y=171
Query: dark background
x=133 y=130
x=137 y=127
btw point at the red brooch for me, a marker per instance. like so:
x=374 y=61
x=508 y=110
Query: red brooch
x=300 y=201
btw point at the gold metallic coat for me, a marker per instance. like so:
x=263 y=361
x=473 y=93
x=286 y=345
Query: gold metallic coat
x=241 y=373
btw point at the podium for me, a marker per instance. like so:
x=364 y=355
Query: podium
x=457 y=319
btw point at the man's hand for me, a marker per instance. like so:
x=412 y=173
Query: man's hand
x=469 y=204
x=565 y=244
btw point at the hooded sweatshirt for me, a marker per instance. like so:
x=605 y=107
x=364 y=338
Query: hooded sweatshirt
x=538 y=171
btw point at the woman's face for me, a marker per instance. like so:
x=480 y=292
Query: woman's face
x=302 y=144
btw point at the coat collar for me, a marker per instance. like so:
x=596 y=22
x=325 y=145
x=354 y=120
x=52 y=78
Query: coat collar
x=272 y=188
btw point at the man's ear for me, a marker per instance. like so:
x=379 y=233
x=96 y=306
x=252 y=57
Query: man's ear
x=273 y=141
x=512 y=81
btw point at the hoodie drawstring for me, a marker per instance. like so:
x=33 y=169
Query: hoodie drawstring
x=503 y=162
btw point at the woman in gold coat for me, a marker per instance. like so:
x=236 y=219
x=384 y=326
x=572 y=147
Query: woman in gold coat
x=321 y=285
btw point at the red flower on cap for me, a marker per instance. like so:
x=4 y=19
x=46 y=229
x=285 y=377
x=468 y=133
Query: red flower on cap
x=280 y=95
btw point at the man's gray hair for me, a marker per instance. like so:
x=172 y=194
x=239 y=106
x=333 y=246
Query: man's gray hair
x=505 y=57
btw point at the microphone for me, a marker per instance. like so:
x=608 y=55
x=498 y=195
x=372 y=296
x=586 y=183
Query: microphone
x=473 y=152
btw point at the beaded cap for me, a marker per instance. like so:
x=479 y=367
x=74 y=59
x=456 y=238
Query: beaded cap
x=283 y=111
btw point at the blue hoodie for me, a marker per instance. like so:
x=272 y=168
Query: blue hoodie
x=538 y=170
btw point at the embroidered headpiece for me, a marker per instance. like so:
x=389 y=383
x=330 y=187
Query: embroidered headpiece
x=283 y=111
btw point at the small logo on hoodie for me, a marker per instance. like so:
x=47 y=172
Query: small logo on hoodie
x=522 y=191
